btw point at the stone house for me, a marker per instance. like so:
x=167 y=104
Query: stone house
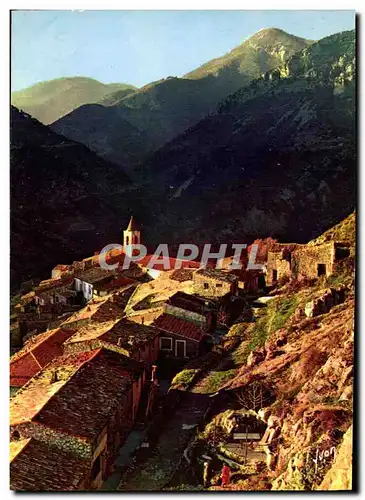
x=313 y=261
x=304 y=261
x=192 y=308
x=139 y=342
x=106 y=286
x=279 y=261
x=179 y=338
x=81 y=404
x=214 y=283
x=96 y=311
x=36 y=354
x=86 y=280
x=54 y=291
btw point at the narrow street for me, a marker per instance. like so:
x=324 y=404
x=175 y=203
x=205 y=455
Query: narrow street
x=154 y=472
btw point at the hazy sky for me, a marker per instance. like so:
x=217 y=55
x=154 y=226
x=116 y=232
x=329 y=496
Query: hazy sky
x=138 y=47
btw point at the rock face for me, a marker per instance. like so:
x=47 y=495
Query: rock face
x=325 y=302
x=305 y=152
x=339 y=477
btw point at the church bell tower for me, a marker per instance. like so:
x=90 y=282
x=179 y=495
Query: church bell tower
x=131 y=236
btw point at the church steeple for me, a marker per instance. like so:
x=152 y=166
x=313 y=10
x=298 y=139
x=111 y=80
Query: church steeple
x=131 y=236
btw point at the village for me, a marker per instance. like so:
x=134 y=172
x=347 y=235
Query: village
x=95 y=351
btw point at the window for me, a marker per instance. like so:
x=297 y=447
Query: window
x=96 y=468
x=206 y=286
x=321 y=270
x=165 y=344
x=127 y=240
x=218 y=285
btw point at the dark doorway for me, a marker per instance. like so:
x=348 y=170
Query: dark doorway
x=321 y=270
x=274 y=275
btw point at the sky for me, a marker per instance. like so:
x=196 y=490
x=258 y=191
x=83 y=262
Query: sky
x=138 y=47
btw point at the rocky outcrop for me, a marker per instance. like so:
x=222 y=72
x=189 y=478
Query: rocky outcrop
x=323 y=304
x=339 y=477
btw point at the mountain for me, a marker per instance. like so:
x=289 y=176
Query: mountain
x=48 y=101
x=163 y=109
x=261 y=52
x=276 y=159
x=65 y=201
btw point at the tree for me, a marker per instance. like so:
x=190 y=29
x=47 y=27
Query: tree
x=253 y=396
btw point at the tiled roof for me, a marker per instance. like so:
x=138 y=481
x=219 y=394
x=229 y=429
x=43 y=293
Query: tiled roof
x=172 y=262
x=16 y=447
x=37 y=352
x=94 y=274
x=123 y=331
x=98 y=311
x=53 y=283
x=188 y=302
x=182 y=275
x=107 y=285
x=81 y=404
x=116 y=333
x=122 y=297
x=217 y=274
x=38 y=467
x=62 y=267
x=178 y=326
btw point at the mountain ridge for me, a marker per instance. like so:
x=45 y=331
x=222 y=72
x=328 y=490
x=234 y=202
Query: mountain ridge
x=49 y=100
x=161 y=110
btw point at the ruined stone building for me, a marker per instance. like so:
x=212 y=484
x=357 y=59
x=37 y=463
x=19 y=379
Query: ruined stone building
x=304 y=261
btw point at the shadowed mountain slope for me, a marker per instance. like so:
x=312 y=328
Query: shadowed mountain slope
x=163 y=109
x=278 y=158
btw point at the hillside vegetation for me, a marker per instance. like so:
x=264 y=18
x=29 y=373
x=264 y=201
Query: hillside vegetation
x=48 y=101
x=304 y=367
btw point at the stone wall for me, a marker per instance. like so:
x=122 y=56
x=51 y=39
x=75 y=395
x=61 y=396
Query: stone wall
x=277 y=267
x=313 y=261
x=300 y=261
x=209 y=287
x=194 y=317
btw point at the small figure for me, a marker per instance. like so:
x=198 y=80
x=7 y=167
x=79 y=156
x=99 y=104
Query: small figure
x=206 y=478
x=226 y=475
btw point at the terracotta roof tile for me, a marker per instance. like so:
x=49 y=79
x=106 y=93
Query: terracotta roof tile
x=178 y=326
x=37 y=352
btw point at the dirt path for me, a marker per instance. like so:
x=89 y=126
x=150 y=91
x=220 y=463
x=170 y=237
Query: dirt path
x=159 y=466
